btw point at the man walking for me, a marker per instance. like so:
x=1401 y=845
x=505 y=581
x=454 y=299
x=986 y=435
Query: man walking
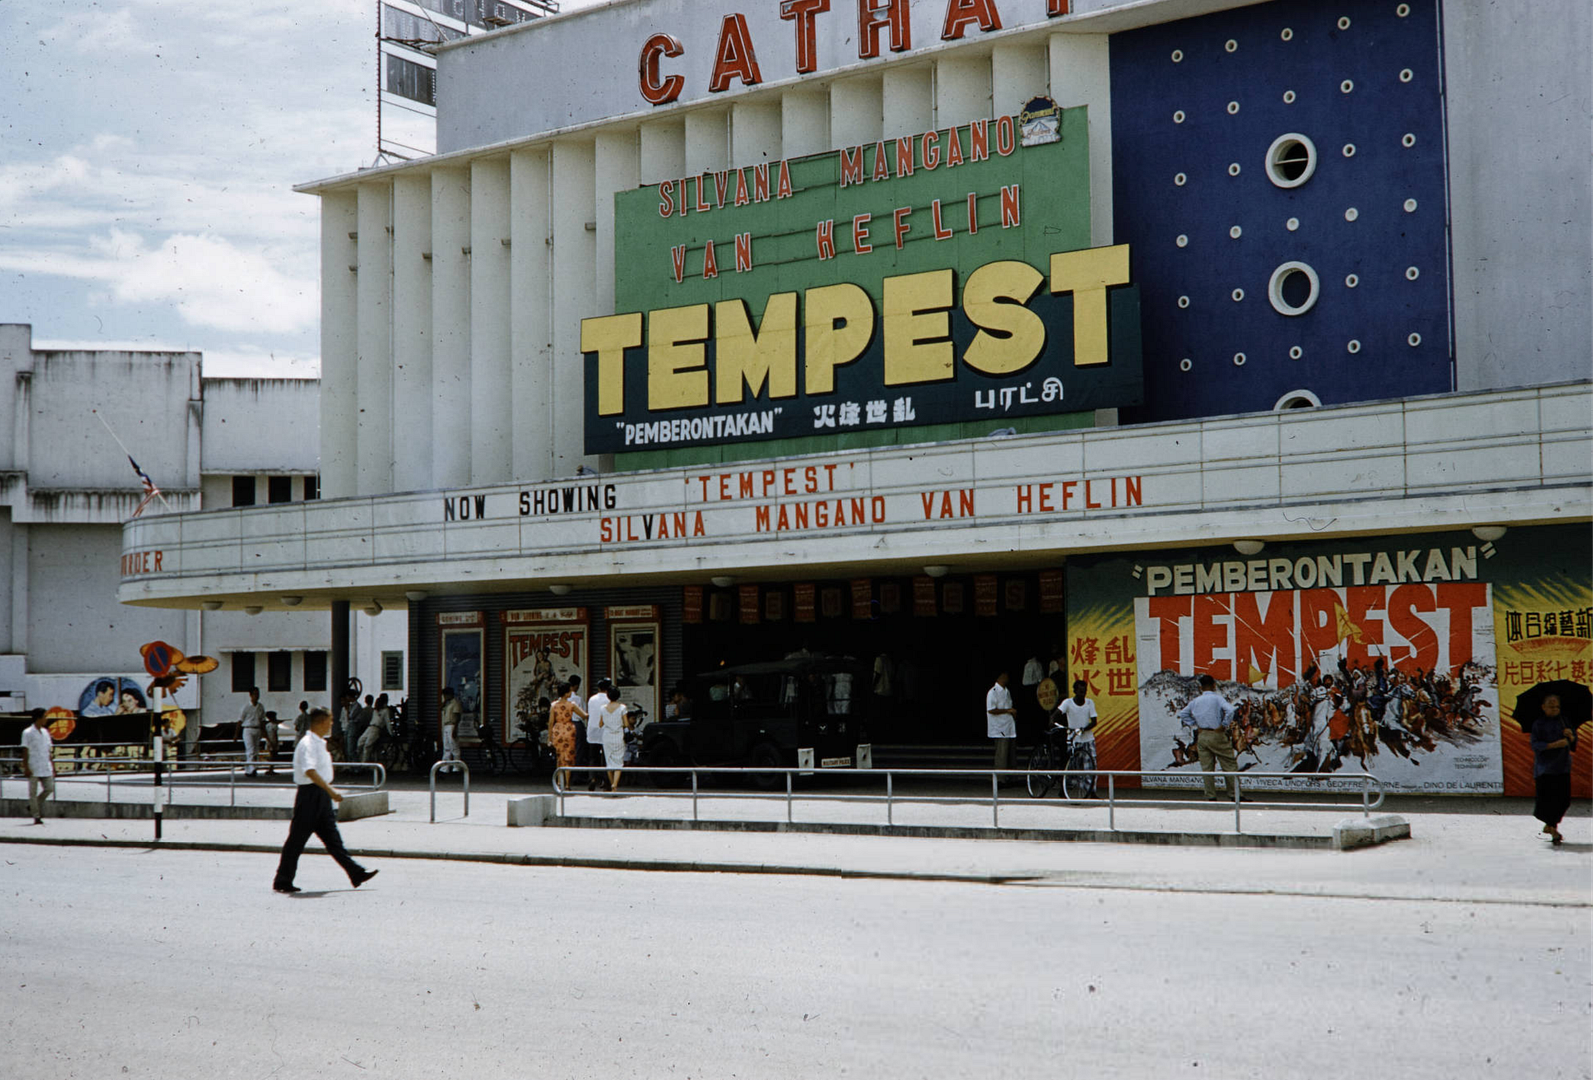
x=312 y=808
x=253 y=722
x=1000 y=724
x=1211 y=716
x=38 y=765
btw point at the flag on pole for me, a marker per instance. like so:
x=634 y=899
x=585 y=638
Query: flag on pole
x=150 y=490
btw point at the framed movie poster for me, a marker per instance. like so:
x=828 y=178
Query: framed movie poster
x=461 y=653
x=543 y=647
x=634 y=660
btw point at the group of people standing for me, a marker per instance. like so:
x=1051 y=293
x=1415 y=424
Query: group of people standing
x=578 y=730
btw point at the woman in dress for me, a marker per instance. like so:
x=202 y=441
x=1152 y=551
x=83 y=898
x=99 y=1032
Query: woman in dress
x=1552 y=766
x=612 y=722
x=562 y=731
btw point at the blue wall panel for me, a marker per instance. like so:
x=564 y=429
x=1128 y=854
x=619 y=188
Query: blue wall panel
x=1202 y=101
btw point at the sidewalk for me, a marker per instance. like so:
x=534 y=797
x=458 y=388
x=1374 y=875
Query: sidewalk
x=1480 y=850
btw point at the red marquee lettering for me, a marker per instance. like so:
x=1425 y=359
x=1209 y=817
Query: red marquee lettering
x=871 y=22
x=960 y=13
x=734 y=58
x=655 y=91
x=802 y=12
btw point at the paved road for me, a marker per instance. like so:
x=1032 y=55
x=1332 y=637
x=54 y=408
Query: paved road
x=170 y=963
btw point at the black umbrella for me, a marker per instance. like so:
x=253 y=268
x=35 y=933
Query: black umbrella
x=1577 y=702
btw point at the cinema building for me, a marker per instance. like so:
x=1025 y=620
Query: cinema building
x=1135 y=339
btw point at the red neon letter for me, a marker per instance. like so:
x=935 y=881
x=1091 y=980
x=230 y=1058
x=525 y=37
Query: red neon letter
x=869 y=25
x=656 y=92
x=959 y=13
x=803 y=12
x=734 y=57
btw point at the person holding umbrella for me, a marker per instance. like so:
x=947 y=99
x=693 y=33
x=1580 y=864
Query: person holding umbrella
x=1551 y=713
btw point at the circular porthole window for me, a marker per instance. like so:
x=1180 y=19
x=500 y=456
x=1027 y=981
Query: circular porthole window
x=1297 y=399
x=1291 y=160
x=1293 y=289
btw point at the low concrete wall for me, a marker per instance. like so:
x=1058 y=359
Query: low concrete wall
x=352 y=808
x=362 y=805
x=1364 y=832
x=531 y=810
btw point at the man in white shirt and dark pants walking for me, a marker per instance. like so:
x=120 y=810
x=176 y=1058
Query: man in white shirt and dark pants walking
x=999 y=721
x=38 y=765
x=312 y=808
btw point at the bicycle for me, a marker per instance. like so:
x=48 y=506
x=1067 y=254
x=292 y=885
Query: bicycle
x=1062 y=762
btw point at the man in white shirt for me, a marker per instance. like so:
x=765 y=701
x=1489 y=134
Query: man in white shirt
x=1000 y=724
x=253 y=721
x=595 y=705
x=312 y=808
x=38 y=765
x=1079 y=714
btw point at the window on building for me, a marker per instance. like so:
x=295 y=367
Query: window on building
x=315 y=670
x=393 y=670
x=312 y=487
x=243 y=491
x=279 y=672
x=279 y=489
x=243 y=672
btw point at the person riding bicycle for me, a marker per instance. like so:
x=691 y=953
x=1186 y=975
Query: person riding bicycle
x=1076 y=716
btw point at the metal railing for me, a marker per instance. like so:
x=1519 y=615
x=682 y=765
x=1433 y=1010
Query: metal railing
x=1369 y=789
x=449 y=766
x=205 y=774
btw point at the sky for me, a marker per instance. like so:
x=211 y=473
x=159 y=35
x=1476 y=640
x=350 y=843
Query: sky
x=148 y=153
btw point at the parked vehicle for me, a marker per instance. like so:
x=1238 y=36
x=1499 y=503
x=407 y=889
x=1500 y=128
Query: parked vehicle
x=802 y=712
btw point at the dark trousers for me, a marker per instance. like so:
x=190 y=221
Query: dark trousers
x=1552 y=796
x=313 y=813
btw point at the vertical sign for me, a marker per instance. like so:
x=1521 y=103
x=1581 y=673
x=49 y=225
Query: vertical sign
x=460 y=651
x=634 y=661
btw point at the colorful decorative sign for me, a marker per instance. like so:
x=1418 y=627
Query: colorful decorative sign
x=1401 y=657
x=543 y=647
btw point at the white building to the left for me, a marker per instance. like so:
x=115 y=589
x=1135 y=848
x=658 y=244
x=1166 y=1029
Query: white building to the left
x=67 y=486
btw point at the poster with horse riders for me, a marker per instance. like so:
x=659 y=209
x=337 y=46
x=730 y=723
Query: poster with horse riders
x=1401 y=656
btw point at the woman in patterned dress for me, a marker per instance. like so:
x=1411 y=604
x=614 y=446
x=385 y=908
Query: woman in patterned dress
x=562 y=730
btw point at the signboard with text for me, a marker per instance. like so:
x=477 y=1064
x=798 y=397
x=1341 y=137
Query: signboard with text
x=938 y=278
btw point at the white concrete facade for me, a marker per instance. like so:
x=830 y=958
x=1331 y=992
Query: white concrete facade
x=1445 y=462
x=68 y=488
x=588 y=133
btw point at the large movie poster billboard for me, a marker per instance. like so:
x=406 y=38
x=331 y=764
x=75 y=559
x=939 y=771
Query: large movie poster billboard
x=543 y=647
x=1396 y=680
x=1400 y=656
